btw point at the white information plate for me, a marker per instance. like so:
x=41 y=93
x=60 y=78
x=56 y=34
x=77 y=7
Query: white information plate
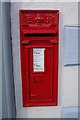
x=38 y=59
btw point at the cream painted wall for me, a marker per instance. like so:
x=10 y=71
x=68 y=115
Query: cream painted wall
x=68 y=76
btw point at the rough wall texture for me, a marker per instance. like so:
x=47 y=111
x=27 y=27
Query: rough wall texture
x=68 y=76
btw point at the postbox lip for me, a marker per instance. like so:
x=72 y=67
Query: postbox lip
x=39 y=21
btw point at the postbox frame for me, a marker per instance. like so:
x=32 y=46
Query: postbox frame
x=24 y=49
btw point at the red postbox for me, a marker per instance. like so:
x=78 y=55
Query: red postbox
x=39 y=30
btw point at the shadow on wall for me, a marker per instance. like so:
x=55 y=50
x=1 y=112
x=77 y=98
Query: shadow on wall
x=8 y=104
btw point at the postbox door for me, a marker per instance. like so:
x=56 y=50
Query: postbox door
x=41 y=75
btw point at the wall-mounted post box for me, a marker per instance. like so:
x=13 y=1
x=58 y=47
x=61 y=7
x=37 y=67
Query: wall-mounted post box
x=39 y=30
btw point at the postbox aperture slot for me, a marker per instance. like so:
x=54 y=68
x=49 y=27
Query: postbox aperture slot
x=37 y=35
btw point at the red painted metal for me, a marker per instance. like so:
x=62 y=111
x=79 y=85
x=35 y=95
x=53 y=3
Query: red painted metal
x=39 y=29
